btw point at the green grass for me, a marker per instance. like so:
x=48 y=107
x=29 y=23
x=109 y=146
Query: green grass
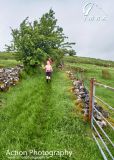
x=6 y=55
x=8 y=63
x=8 y=60
x=94 y=71
x=41 y=116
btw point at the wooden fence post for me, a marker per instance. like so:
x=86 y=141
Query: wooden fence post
x=91 y=99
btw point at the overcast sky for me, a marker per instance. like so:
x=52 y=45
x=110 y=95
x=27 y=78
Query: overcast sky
x=89 y=23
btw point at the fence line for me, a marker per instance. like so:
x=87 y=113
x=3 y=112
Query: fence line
x=101 y=150
x=104 y=132
x=110 y=107
x=92 y=110
x=104 y=118
x=105 y=86
x=103 y=142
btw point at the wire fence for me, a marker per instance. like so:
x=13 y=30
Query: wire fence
x=101 y=137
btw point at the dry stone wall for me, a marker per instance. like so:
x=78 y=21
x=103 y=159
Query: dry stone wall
x=83 y=99
x=9 y=77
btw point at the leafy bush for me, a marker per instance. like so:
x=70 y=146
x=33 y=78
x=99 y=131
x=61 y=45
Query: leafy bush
x=23 y=75
x=106 y=74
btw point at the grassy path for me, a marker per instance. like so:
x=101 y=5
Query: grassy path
x=42 y=116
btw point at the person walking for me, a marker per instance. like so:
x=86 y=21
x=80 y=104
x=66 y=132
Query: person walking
x=48 y=70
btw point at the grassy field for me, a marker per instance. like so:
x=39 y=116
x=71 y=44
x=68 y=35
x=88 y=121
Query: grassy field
x=41 y=116
x=93 y=69
x=8 y=60
x=87 y=60
x=6 y=55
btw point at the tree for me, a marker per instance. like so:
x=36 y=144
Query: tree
x=34 y=42
x=72 y=52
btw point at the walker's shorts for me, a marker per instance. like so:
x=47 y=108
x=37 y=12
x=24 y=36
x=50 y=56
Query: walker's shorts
x=48 y=74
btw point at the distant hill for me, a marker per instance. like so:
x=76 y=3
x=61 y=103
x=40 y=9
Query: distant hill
x=88 y=60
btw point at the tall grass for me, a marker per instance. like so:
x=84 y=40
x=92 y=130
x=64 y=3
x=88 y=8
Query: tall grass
x=41 y=116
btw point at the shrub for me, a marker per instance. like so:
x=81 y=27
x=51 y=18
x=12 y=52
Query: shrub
x=23 y=75
x=106 y=74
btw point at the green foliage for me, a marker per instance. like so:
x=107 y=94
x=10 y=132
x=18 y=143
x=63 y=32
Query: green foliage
x=70 y=52
x=22 y=75
x=106 y=74
x=34 y=42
